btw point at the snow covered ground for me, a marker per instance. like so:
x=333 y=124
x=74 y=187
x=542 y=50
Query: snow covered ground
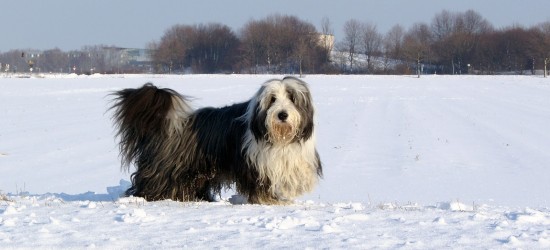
x=435 y=162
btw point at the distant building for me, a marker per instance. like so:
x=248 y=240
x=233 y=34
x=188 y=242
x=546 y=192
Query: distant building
x=137 y=57
x=326 y=41
x=129 y=60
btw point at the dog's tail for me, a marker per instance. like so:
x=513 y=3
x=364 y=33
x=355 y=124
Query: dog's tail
x=146 y=118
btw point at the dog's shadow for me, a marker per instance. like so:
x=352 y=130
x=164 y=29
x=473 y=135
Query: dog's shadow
x=116 y=192
x=113 y=194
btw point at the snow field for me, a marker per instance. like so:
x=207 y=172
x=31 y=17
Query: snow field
x=436 y=162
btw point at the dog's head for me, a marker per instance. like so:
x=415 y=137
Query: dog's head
x=281 y=112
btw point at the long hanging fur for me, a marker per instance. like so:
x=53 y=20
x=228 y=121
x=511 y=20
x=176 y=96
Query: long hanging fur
x=187 y=155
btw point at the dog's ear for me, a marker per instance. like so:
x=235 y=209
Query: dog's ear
x=257 y=123
x=307 y=123
x=304 y=104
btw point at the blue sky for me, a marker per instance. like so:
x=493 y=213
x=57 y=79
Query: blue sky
x=70 y=24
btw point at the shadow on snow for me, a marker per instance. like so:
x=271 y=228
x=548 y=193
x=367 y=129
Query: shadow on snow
x=113 y=193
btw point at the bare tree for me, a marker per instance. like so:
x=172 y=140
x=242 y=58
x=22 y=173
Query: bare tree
x=350 y=44
x=203 y=48
x=394 y=38
x=213 y=48
x=371 y=41
x=543 y=44
x=55 y=60
x=171 y=51
x=327 y=37
x=514 y=44
x=254 y=45
x=471 y=22
x=456 y=37
x=442 y=25
x=282 y=44
x=392 y=45
x=416 y=44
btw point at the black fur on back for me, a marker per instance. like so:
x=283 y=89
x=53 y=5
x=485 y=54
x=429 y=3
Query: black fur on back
x=198 y=159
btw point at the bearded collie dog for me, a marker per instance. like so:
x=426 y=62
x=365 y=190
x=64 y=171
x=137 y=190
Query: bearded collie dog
x=263 y=147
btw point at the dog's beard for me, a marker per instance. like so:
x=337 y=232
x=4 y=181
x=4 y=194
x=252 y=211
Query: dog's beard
x=281 y=132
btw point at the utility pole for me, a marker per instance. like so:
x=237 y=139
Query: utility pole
x=545 y=63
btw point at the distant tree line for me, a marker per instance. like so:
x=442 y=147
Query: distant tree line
x=90 y=59
x=276 y=44
x=203 y=48
x=453 y=43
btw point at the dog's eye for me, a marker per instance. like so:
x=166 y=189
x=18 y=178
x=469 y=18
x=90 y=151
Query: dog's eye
x=292 y=98
x=273 y=99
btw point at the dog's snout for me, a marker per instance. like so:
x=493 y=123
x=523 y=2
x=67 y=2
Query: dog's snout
x=282 y=115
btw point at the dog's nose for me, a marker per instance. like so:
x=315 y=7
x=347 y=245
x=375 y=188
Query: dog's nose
x=282 y=115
